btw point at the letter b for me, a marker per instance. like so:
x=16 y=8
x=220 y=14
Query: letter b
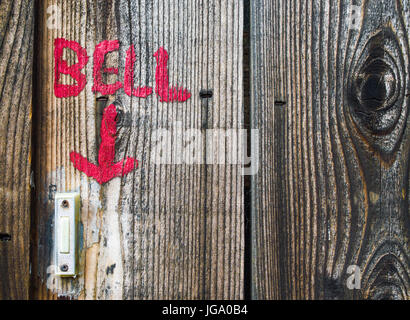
x=61 y=67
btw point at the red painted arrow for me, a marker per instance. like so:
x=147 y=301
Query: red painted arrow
x=106 y=169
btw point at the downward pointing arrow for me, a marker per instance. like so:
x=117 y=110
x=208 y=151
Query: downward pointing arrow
x=106 y=169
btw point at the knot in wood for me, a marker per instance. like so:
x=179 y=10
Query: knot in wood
x=376 y=86
x=375 y=91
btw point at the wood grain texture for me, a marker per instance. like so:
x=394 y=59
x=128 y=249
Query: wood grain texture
x=264 y=233
x=338 y=191
x=16 y=40
x=163 y=231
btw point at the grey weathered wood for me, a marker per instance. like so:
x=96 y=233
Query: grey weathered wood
x=334 y=187
x=163 y=231
x=16 y=42
x=264 y=233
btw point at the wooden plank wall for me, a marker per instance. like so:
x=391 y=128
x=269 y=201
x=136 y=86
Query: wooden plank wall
x=163 y=231
x=338 y=193
x=16 y=42
x=329 y=95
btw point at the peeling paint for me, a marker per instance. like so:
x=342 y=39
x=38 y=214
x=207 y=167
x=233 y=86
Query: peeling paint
x=112 y=254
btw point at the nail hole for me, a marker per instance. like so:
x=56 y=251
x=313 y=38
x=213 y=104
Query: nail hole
x=280 y=103
x=103 y=98
x=5 y=237
x=205 y=94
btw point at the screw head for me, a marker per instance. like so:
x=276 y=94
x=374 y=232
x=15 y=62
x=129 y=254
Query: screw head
x=65 y=204
x=64 y=268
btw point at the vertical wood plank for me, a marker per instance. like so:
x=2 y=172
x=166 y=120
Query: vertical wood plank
x=341 y=155
x=169 y=231
x=16 y=41
x=264 y=232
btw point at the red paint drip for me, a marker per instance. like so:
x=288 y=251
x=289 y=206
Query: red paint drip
x=61 y=67
x=106 y=169
x=141 y=92
x=101 y=50
x=166 y=93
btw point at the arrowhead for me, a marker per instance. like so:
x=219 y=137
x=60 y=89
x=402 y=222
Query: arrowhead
x=117 y=170
x=103 y=174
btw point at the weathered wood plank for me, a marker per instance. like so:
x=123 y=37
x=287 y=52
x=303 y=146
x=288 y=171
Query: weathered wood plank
x=169 y=231
x=264 y=233
x=16 y=41
x=340 y=127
